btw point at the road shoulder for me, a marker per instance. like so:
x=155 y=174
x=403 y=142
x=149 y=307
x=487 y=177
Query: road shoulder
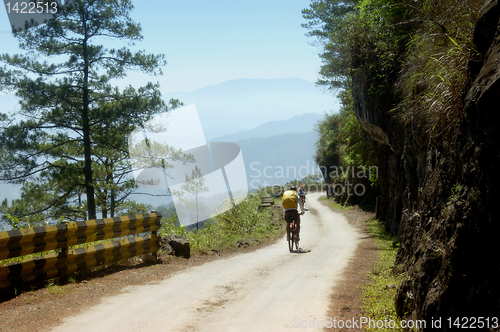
x=44 y=308
x=346 y=298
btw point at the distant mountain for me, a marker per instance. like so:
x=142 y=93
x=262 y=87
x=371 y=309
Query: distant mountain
x=248 y=103
x=210 y=134
x=298 y=124
x=278 y=159
x=228 y=112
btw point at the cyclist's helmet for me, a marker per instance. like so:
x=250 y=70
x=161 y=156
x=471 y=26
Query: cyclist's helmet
x=293 y=188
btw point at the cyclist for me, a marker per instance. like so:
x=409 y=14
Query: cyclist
x=290 y=201
x=302 y=196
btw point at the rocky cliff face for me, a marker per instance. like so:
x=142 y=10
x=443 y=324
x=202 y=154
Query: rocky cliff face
x=440 y=193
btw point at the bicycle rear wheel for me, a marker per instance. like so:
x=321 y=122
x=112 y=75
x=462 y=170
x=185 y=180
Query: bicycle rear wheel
x=290 y=239
x=296 y=241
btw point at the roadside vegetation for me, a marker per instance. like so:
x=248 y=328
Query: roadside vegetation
x=335 y=205
x=397 y=66
x=380 y=292
x=243 y=225
x=312 y=182
x=401 y=59
x=68 y=142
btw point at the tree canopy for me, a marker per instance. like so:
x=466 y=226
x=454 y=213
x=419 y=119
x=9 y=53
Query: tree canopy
x=69 y=138
x=410 y=55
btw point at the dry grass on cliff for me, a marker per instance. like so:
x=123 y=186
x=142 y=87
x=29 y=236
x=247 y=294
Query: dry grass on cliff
x=434 y=75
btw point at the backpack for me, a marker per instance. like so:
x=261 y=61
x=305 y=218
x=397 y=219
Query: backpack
x=289 y=200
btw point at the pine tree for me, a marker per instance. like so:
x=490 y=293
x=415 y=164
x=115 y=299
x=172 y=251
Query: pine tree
x=70 y=133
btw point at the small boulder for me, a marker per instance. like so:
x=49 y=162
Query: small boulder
x=179 y=245
x=165 y=246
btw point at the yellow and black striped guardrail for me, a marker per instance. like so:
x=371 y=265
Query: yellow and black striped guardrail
x=18 y=243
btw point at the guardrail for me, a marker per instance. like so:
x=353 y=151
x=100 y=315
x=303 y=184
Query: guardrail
x=22 y=242
x=266 y=201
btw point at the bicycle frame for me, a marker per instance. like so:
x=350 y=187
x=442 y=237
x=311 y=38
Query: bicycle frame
x=292 y=236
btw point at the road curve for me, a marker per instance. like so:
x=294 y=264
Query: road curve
x=269 y=289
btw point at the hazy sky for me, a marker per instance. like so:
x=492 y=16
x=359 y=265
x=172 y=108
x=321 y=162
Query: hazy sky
x=207 y=42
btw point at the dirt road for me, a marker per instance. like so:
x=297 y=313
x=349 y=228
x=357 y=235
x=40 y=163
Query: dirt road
x=269 y=289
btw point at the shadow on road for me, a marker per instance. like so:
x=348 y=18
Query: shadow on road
x=301 y=251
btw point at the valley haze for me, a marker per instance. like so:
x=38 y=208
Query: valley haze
x=260 y=115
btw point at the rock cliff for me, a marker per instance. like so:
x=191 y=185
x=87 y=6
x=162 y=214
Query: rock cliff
x=439 y=192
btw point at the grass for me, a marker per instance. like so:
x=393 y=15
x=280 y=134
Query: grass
x=335 y=205
x=15 y=260
x=56 y=289
x=380 y=292
x=378 y=295
x=244 y=223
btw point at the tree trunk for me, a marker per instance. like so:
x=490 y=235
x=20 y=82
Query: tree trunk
x=112 y=207
x=87 y=170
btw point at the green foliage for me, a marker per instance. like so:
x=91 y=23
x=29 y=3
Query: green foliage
x=356 y=149
x=336 y=205
x=434 y=76
x=244 y=221
x=455 y=190
x=359 y=37
x=412 y=54
x=55 y=289
x=406 y=57
x=68 y=142
x=131 y=207
x=327 y=151
x=166 y=210
x=342 y=142
x=310 y=181
x=326 y=21
x=380 y=292
x=14 y=222
x=314 y=181
x=171 y=225
x=192 y=188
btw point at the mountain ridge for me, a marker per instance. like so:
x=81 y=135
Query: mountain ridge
x=248 y=103
x=297 y=124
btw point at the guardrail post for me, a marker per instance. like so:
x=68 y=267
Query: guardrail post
x=65 y=235
x=155 y=254
x=64 y=250
x=63 y=277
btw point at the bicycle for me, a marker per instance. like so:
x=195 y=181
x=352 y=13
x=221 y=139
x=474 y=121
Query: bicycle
x=292 y=237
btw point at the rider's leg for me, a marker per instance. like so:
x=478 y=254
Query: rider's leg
x=297 y=223
x=301 y=205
